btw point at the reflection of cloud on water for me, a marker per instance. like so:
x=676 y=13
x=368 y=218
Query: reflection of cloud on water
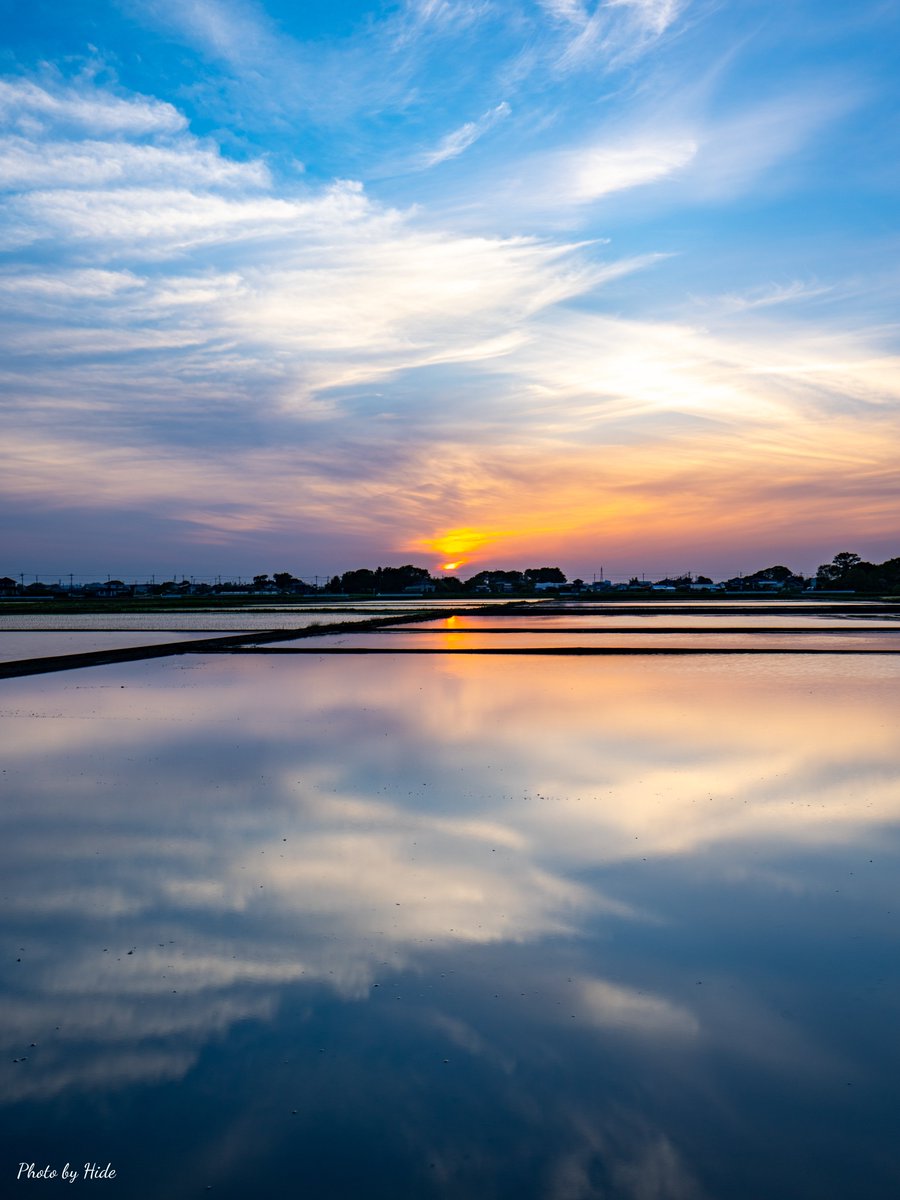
x=149 y=972
x=621 y=1156
x=585 y=762
x=611 y=1006
x=115 y=1068
x=465 y=1037
x=103 y=1038
x=335 y=822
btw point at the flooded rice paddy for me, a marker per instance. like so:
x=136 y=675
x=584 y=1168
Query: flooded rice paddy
x=456 y=926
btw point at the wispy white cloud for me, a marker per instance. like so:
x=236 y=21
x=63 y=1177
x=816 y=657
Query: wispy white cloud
x=239 y=32
x=160 y=221
x=770 y=296
x=682 y=159
x=595 y=171
x=67 y=285
x=271 y=75
x=26 y=164
x=653 y=15
x=606 y=35
x=739 y=148
x=558 y=185
x=455 y=14
x=571 y=11
x=32 y=108
x=462 y=138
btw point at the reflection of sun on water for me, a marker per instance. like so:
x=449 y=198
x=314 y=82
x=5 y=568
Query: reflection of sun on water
x=454 y=637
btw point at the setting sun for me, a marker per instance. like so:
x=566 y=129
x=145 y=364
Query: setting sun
x=459 y=544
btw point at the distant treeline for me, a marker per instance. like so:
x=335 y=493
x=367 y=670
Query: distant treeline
x=406 y=578
x=846 y=572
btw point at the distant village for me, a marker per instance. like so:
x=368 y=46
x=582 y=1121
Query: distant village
x=847 y=574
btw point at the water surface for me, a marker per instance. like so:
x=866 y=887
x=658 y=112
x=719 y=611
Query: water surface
x=454 y=927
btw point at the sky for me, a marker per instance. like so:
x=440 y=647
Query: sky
x=504 y=283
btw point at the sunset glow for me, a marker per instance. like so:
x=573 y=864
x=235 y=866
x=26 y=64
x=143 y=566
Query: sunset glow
x=460 y=544
x=573 y=284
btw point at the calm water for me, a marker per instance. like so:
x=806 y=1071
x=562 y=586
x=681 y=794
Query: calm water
x=454 y=638
x=620 y=617
x=39 y=643
x=456 y=927
x=26 y=635
x=187 y=622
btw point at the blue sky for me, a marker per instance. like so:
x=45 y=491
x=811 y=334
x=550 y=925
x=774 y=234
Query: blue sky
x=318 y=286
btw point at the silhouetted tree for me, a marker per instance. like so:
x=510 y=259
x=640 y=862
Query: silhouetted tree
x=545 y=575
x=832 y=574
x=848 y=571
x=362 y=580
x=777 y=574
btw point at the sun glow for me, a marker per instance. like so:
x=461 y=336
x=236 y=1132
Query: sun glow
x=459 y=544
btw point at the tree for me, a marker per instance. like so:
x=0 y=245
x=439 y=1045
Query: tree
x=849 y=572
x=362 y=580
x=447 y=585
x=835 y=572
x=777 y=574
x=397 y=579
x=501 y=581
x=846 y=560
x=545 y=575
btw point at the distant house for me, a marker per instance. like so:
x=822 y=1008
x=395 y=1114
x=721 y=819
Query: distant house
x=112 y=589
x=767 y=585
